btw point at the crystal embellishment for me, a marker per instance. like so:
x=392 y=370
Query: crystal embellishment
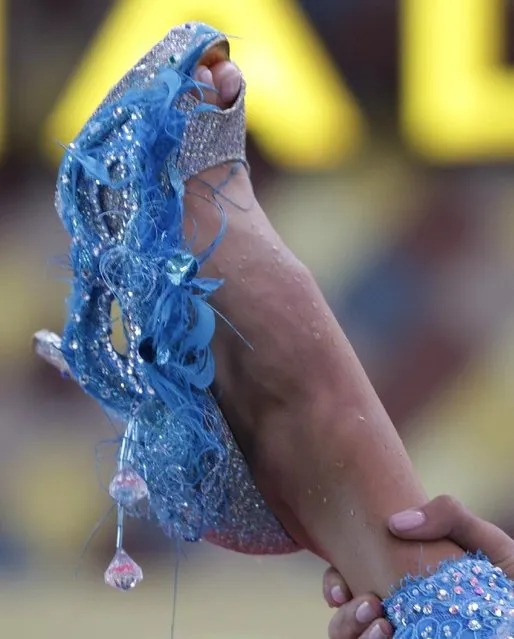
x=127 y=487
x=48 y=346
x=183 y=267
x=465 y=609
x=123 y=573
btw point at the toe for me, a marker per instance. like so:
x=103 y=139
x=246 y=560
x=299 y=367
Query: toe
x=204 y=77
x=224 y=78
x=227 y=81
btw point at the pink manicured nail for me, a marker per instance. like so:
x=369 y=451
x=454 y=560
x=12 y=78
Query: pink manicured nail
x=365 y=613
x=407 y=520
x=376 y=633
x=337 y=595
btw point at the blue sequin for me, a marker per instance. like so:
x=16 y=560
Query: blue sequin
x=182 y=268
x=464 y=598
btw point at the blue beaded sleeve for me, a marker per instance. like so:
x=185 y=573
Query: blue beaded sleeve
x=466 y=598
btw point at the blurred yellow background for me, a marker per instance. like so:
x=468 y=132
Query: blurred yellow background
x=382 y=147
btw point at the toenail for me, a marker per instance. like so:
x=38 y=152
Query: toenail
x=204 y=76
x=230 y=87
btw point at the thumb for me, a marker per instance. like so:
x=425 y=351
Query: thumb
x=335 y=590
x=446 y=517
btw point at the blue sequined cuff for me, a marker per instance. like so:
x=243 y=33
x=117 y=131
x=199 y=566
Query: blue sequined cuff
x=464 y=598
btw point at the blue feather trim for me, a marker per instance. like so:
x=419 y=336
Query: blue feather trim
x=121 y=199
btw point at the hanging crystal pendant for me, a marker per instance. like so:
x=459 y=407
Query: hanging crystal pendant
x=123 y=573
x=182 y=267
x=127 y=487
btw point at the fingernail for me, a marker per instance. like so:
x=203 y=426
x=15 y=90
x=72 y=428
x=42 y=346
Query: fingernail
x=337 y=595
x=365 y=613
x=376 y=633
x=407 y=520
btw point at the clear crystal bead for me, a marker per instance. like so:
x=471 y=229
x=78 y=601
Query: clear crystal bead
x=123 y=573
x=182 y=267
x=48 y=346
x=127 y=487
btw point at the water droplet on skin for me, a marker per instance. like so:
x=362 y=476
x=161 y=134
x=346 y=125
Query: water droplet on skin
x=244 y=257
x=352 y=513
x=243 y=280
x=275 y=248
x=317 y=336
x=324 y=500
x=315 y=305
x=297 y=278
x=361 y=418
x=288 y=308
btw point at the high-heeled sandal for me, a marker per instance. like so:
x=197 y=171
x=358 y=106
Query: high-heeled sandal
x=120 y=196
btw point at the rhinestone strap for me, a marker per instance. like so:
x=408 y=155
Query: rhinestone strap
x=468 y=597
x=211 y=137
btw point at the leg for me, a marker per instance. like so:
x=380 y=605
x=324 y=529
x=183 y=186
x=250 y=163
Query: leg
x=320 y=444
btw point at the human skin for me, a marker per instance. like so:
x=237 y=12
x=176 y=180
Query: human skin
x=443 y=517
x=319 y=443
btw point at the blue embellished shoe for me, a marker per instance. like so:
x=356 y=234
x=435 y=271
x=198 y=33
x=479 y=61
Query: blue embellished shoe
x=467 y=598
x=120 y=195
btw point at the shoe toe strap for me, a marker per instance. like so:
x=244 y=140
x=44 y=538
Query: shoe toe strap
x=212 y=137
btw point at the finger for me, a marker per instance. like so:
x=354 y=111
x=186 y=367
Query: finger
x=354 y=617
x=335 y=590
x=446 y=517
x=380 y=629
